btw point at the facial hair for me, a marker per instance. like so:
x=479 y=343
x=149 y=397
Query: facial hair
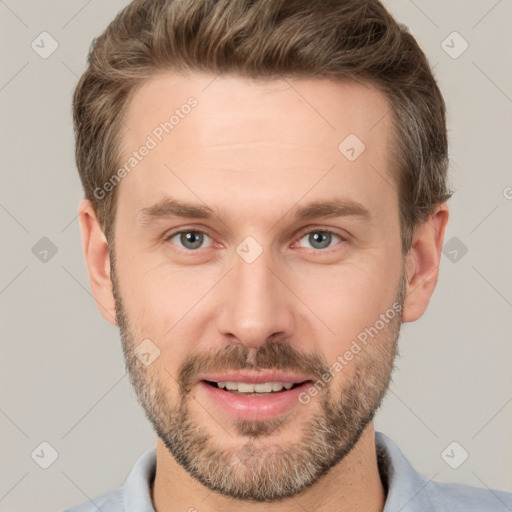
x=249 y=470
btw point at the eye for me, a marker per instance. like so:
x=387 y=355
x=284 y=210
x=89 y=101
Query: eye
x=190 y=239
x=320 y=238
x=193 y=240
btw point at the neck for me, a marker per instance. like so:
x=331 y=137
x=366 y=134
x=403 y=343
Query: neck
x=354 y=485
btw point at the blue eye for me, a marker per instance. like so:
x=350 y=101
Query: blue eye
x=190 y=239
x=320 y=239
x=193 y=240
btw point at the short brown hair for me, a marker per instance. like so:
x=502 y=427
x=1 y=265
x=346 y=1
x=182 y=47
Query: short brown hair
x=265 y=39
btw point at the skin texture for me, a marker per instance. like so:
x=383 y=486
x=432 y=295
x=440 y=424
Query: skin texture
x=254 y=152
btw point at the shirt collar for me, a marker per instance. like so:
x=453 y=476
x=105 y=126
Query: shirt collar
x=137 y=487
x=407 y=490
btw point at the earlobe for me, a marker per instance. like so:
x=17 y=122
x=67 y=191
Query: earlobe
x=97 y=258
x=422 y=263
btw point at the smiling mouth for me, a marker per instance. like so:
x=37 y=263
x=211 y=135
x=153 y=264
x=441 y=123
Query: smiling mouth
x=248 y=389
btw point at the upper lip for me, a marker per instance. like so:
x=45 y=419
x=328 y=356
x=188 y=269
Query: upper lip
x=252 y=377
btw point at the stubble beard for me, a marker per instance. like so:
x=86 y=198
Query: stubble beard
x=252 y=468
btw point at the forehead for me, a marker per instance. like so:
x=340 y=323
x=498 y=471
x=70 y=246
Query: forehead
x=298 y=110
x=212 y=133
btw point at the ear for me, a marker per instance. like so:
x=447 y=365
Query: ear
x=97 y=258
x=422 y=263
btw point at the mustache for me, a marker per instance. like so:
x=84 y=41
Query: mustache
x=273 y=355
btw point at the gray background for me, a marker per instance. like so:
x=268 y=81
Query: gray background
x=62 y=376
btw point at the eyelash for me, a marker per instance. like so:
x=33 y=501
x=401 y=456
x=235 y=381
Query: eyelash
x=324 y=231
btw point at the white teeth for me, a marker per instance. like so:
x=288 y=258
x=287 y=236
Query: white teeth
x=262 y=388
x=244 y=387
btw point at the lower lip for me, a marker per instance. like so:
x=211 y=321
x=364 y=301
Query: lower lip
x=254 y=407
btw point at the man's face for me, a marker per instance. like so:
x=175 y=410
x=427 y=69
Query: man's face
x=255 y=287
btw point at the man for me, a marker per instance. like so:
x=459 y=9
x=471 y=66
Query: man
x=265 y=204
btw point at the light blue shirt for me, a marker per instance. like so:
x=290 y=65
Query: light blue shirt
x=407 y=490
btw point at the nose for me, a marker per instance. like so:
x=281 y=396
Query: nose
x=256 y=303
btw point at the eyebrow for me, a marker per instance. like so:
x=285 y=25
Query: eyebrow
x=169 y=207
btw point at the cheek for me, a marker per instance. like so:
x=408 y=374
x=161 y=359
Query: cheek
x=346 y=300
x=349 y=292
x=151 y=302
x=160 y=303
